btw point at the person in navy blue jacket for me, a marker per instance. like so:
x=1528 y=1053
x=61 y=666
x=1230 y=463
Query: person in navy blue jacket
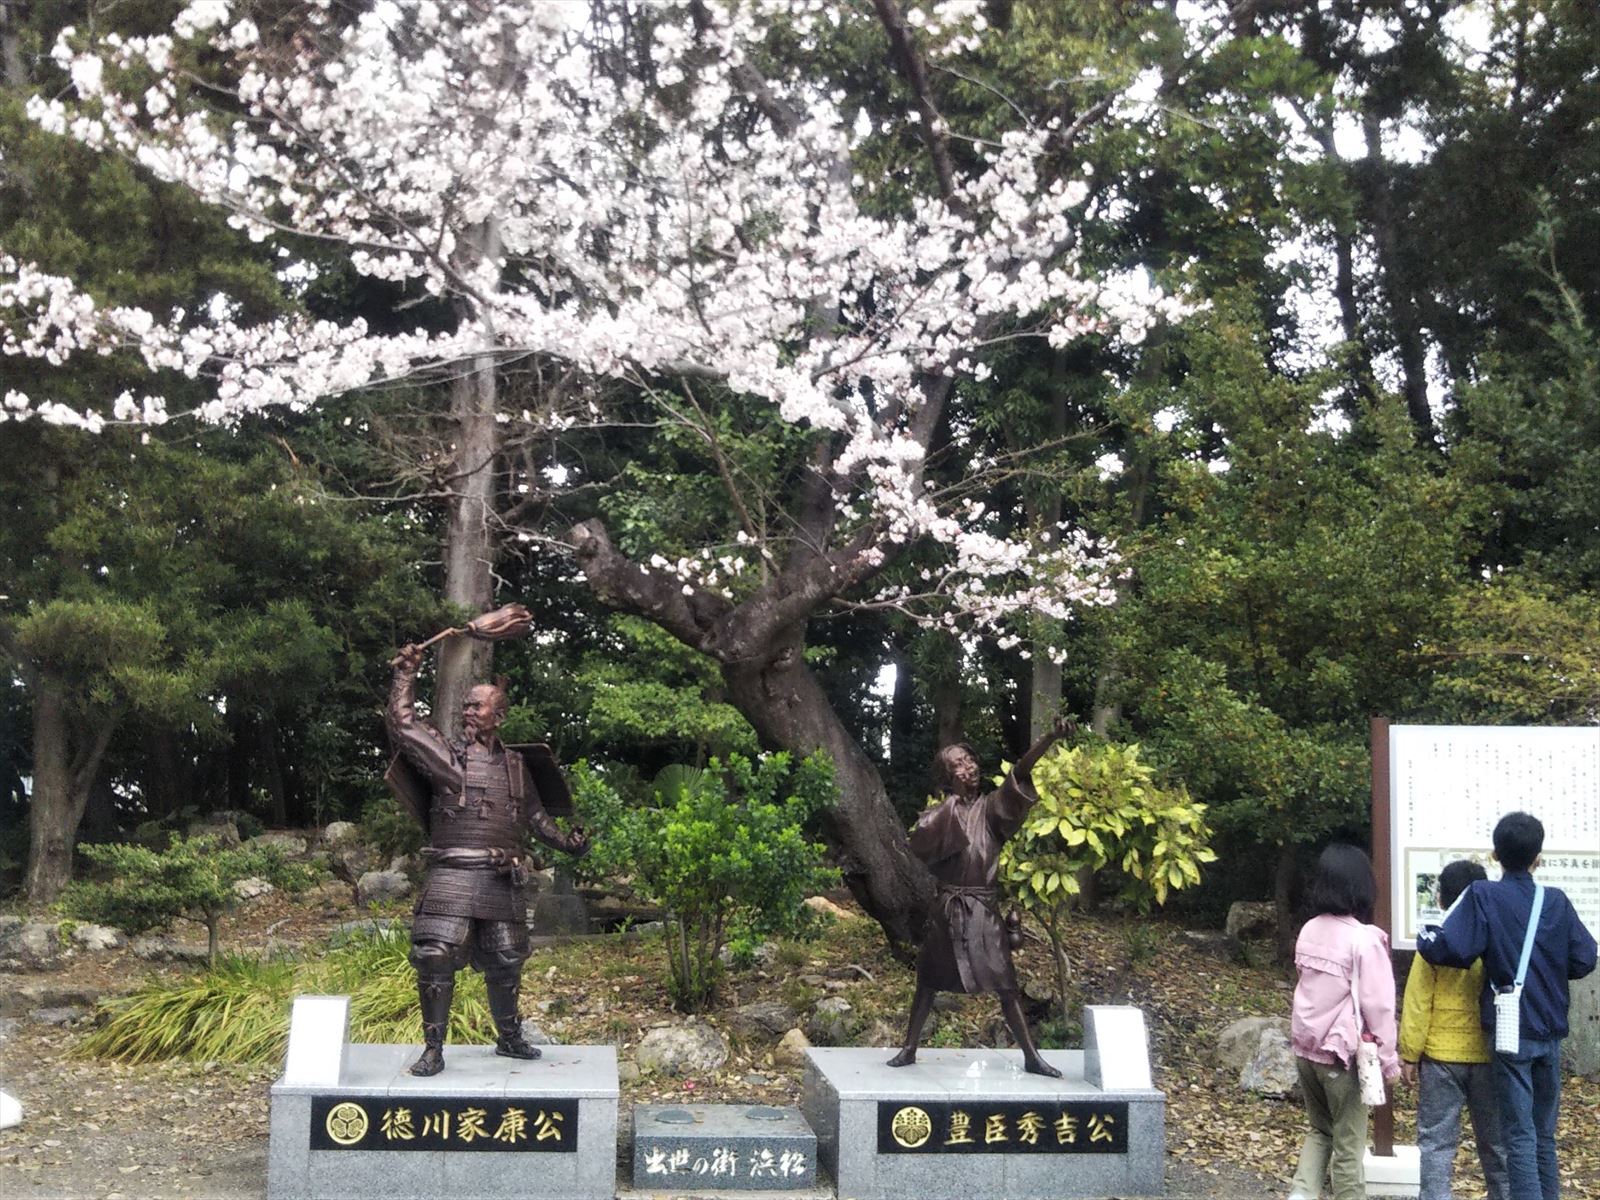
x=1489 y=921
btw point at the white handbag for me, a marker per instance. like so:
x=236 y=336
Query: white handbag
x=1508 y=1000
x=1369 y=1072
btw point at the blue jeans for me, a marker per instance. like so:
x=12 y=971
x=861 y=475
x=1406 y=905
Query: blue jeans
x=1444 y=1088
x=1529 y=1083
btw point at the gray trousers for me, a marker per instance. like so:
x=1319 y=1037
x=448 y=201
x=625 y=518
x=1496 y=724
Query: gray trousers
x=1443 y=1089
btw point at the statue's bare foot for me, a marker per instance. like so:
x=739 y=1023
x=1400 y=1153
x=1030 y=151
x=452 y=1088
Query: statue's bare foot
x=431 y=1062
x=1035 y=1065
x=516 y=1047
x=904 y=1059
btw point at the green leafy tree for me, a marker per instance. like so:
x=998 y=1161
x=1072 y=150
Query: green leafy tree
x=191 y=880
x=718 y=849
x=1101 y=806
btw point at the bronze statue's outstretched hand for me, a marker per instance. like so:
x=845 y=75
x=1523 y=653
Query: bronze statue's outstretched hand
x=1063 y=727
x=578 y=842
x=409 y=657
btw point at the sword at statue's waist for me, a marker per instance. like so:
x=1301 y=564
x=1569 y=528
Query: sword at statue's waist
x=955 y=889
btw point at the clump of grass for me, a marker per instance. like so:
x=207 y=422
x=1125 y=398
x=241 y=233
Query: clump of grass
x=238 y=1010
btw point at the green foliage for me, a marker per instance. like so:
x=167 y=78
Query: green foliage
x=192 y=879
x=722 y=851
x=1100 y=806
x=238 y=1009
x=388 y=828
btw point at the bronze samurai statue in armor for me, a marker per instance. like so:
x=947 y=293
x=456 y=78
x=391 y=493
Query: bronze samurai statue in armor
x=478 y=800
x=967 y=945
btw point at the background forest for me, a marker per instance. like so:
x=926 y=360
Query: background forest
x=1357 y=476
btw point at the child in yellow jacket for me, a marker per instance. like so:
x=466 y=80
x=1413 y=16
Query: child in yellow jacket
x=1441 y=1030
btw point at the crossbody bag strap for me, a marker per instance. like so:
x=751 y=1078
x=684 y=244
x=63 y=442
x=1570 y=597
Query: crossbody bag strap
x=1355 y=988
x=1527 y=938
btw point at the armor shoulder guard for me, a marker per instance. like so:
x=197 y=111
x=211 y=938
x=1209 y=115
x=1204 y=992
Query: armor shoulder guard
x=411 y=789
x=545 y=774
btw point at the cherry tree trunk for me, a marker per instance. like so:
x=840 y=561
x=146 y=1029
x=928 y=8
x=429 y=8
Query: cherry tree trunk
x=783 y=701
x=57 y=803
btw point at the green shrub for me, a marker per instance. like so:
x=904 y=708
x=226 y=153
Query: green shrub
x=1101 y=806
x=388 y=828
x=191 y=880
x=721 y=850
x=238 y=1009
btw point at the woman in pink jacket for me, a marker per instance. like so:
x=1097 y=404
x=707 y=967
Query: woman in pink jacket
x=1339 y=947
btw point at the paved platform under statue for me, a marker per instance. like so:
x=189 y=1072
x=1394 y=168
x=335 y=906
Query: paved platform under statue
x=970 y=1124
x=351 y=1122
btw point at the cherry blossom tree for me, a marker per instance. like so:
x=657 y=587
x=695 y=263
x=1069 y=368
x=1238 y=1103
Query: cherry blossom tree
x=659 y=202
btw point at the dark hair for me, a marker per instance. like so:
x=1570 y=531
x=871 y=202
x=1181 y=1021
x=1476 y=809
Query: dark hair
x=1343 y=885
x=941 y=764
x=1518 y=839
x=1456 y=878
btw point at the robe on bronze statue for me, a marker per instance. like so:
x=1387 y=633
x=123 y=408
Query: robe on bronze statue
x=479 y=801
x=966 y=947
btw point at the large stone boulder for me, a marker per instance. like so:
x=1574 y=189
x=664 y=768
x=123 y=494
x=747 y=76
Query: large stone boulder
x=1252 y=920
x=1260 y=1045
x=763 y=1020
x=252 y=889
x=32 y=946
x=1214 y=942
x=832 y=1022
x=792 y=1048
x=340 y=834
x=350 y=863
x=693 y=1048
x=379 y=887
x=290 y=845
x=98 y=937
x=220 y=826
x=167 y=949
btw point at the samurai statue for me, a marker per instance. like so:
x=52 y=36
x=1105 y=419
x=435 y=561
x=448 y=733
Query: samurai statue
x=478 y=800
x=967 y=943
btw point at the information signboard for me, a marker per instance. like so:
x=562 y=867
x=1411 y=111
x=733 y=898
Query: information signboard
x=1449 y=784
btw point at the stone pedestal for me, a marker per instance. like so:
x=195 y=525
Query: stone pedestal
x=722 y=1147
x=486 y=1127
x=1397 y=1174
x=970 y=1124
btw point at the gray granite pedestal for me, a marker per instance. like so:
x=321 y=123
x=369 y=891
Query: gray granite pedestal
x=487 y=1127
x=722 y=1147
x=971 y=1124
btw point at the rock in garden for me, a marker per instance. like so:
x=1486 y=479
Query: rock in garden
x=534 y=1034
x=763 y=1019
x=1271 y=1069
x=825 y=907
x=1249 y=920
x=1214 y=942
x=763 y=955
x=831 y=1022
x=340 y=833
x=792 y=1048
x=1236 y=1045
x=290 y=845
x=219 y=825
x=381 y=886
x=165 y=949
x=351 y=863
x=32 y=946
x=627 y=1072
x=8 y=1027
x=58 y=1016
x=99 y=937
x=252 y=888
x=693 y=1048
x=10 y=1110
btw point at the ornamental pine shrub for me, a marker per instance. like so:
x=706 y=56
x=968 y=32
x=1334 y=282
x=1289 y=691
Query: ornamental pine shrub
x=721 y=850
x=191 y=880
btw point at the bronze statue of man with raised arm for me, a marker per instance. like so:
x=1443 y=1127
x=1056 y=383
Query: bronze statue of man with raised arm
x=966 y=946
x=478 y=800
